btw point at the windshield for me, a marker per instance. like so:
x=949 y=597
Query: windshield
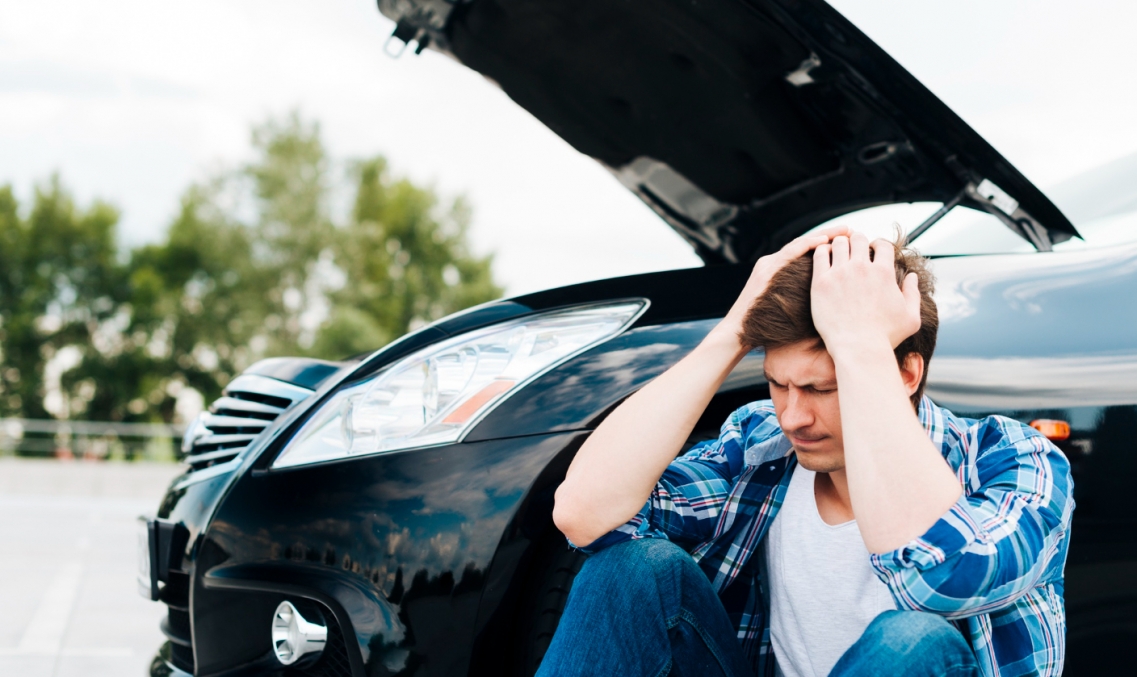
x=1101 y=203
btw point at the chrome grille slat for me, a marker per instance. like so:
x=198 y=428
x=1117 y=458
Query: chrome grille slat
x=211 y=442
x=209 y=456
x=263 y=385
x=247 y=406
x=215 y=421
x=244 y=407
x=174 y=634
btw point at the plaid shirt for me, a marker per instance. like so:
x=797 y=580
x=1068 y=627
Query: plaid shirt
x=993 y=563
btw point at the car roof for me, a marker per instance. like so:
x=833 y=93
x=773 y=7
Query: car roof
x=741 y=123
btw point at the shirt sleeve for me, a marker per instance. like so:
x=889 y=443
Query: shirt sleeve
x=1000 y=539
x=688 y=499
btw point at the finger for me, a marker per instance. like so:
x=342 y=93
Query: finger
x=831 y=232
x=884 y=252
x=821 y=259
x=802 y=245
x=911 y=290
x=858 y=247
x=840 y=250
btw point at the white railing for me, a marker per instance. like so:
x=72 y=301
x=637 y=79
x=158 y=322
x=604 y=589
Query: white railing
x=88 y=439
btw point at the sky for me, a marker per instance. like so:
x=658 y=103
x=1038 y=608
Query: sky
x=132 y=100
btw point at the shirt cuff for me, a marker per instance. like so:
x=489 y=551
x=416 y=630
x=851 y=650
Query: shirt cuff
x=606 y=541
x=637 y=527
x=953 y=532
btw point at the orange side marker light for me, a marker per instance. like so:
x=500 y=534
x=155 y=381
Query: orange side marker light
x=477 y=400
x=1054 y=430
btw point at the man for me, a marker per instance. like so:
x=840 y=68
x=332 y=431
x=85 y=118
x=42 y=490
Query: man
x=848 y=526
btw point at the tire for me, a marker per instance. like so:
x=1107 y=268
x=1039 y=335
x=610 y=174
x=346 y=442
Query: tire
x=550 y=596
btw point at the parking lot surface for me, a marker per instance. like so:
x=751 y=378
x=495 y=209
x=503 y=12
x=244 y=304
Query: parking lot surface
x=67 y=575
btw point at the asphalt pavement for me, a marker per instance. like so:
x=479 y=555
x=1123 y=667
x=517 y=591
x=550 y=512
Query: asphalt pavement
x=67 y=567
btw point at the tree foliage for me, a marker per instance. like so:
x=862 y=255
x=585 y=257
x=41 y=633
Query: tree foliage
x=59 y=284
x=255 y=264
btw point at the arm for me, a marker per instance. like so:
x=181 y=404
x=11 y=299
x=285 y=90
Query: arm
x=687 y=502
x=937 y=550
x=997 y=543
x=617 y=469
x=899 y=485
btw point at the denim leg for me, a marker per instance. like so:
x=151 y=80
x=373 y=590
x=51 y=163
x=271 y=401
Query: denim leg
x=910 y=643
x=643 y=608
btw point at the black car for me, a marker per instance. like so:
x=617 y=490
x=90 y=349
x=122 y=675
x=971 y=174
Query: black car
x=392 y=515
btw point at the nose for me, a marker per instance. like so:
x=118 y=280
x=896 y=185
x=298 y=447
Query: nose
x=796 y=413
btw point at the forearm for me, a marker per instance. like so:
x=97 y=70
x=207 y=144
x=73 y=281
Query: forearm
x=615 y=471
x=1012 y=561
x=899 y=485
x=1020 y=515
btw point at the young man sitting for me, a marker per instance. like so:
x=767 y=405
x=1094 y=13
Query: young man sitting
x=848 y=526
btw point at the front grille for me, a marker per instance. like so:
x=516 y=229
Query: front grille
x=181 y=657
x=247 y=406
x=333 y=660
x=176 y=625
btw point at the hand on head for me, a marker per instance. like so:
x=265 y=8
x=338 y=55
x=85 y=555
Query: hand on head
x=770 y=264
x=854 y=295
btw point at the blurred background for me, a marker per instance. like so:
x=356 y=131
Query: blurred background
x=186 y=188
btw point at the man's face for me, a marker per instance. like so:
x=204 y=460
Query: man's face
x=803 y=385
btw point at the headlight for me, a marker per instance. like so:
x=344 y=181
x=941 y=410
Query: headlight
x=436 y=395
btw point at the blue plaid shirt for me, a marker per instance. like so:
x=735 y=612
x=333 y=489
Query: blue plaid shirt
x=993 y=563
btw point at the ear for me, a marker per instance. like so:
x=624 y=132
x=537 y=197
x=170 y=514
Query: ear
x=912 y=372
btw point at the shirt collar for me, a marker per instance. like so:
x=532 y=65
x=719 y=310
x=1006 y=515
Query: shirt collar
x=932 y=418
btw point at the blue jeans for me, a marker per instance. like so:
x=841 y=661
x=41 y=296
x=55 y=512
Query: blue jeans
x=644 y=609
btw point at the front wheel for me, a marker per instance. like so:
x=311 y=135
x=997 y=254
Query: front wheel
x=561 y=566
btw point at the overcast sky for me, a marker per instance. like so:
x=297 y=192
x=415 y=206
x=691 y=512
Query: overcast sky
x=131 y=100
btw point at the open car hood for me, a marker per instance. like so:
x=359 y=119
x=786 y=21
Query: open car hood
x=742 y=123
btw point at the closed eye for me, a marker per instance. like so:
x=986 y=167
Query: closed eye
x=825 y=389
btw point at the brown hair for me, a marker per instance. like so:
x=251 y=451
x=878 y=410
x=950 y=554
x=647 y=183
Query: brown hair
x=782 y=314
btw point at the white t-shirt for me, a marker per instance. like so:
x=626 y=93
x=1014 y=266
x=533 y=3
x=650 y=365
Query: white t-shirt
x=823 y=591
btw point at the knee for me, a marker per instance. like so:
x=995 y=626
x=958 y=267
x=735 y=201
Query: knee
x=639 y=566
x=656 y=554
x=911 y=625
x=910 y=635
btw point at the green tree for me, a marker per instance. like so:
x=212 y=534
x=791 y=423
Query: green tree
x=61 y=286
x=253 y=265
x=198 y=301
x=406 y=261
